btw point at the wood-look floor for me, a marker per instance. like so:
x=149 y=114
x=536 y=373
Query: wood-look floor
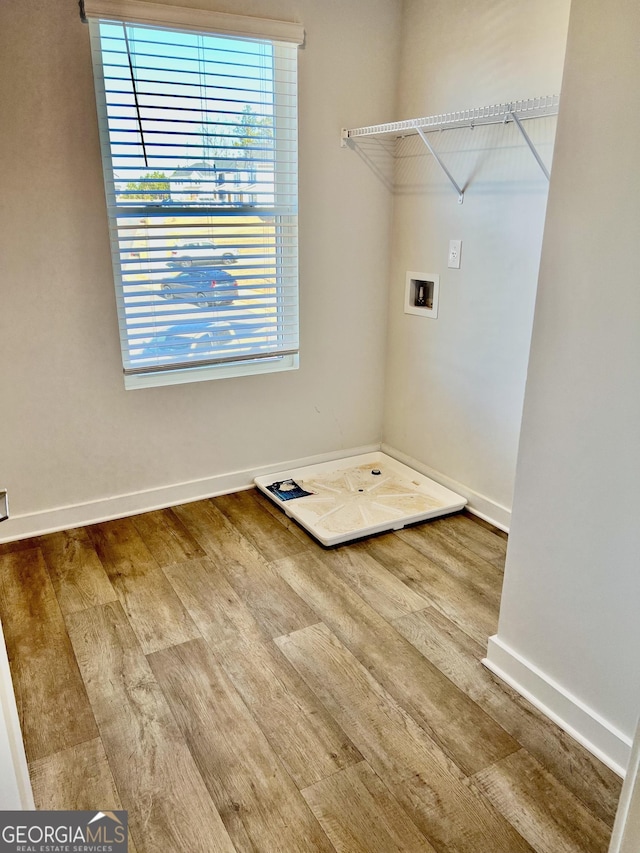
x=237 y=687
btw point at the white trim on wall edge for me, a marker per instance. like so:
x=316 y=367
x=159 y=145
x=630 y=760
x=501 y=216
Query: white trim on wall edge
x=15 y=785
x=584 y=724
x=478 y=504
x=625 y=837
x=120 y=506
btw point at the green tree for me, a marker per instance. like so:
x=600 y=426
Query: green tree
x=218 y=138
x=251 y=129
x=154 y=186
x=214 y=140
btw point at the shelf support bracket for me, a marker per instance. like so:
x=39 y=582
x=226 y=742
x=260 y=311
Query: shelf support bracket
x=436 y=156
x=527 y=139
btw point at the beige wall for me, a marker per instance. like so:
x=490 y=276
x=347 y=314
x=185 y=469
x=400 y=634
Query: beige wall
x=69 y=431
x=572 y=585
x=454 y=386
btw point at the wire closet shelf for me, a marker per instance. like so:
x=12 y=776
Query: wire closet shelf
x=512 y=111
x=494 y=114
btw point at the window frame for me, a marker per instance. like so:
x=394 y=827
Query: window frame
x=137 y=13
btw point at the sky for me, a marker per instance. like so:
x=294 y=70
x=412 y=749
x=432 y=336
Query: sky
x=188 y=85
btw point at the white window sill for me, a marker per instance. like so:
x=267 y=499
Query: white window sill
x=205 y=373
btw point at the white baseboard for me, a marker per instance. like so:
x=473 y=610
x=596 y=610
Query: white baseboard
x=480 y=505
x=584 y=724
x=120 y=506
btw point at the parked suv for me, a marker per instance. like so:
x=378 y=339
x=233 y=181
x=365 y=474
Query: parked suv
x=188 y=341
x=210 y=286
x=200 y=253
x=198 y=340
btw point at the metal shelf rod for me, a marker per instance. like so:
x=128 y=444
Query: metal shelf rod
x=532 y=147
x=436 y=156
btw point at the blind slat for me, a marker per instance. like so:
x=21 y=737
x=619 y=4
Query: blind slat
x=198 y=134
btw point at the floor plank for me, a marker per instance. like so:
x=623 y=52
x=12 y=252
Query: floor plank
x=426 y=784
x=19 y=545
x=388 y=595
x=463 y=605
x=540 y=808
x=126 y=558
x=261 y=807
x=272 y=539
x=459 y=658
x=283 y=519
x=305 y=737
x=157 y=616
x=483 y=542
x=52 y=702
x=78 y=778
x=169 y=806
x=78 y=576
x=166 y=537
x=446 y=552
x=456 y=723
x=486 y=524
x=360 y=815
x=217 y=610
x=273 y=604
x=308 y=741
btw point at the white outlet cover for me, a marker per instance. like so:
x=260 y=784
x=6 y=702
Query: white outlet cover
x=455 y=250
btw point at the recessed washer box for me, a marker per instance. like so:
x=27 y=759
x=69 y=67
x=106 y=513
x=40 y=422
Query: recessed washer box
x=358 y=496
x=421 y=294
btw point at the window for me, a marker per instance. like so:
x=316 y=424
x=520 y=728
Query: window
x=199 y=147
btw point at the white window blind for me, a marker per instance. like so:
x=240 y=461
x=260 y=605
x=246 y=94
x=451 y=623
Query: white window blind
x=199 y=144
